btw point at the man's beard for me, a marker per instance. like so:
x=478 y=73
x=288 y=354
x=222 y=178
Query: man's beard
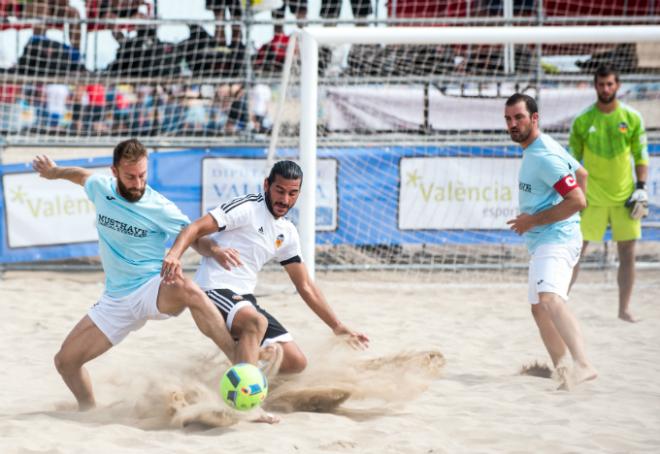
x=132 y=195
x=269 y=204
x=604 y=100
x=520 y=136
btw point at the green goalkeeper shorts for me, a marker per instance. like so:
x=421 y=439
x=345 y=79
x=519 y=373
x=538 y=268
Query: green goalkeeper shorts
x=594 y=221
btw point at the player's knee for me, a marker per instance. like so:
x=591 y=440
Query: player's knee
x=548 y=301
x=63 y=363
x=537 y=310
x=293 y=363
x=59 y=363
x=254 y=324
x=194 y=297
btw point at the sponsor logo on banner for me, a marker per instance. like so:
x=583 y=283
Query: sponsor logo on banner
x=457 y=193
x=226 y=178
x=47 y=212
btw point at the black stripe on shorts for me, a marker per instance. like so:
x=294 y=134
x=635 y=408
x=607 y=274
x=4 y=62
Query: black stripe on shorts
x=225 y=299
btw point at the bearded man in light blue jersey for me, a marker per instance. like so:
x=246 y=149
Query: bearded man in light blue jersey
x=134 y=223
x=551 y=193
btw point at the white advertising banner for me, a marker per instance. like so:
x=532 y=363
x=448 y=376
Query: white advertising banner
x=457 y=193
x=226 y=178
x=374 y=107
x=47 y=212
x=399 y=107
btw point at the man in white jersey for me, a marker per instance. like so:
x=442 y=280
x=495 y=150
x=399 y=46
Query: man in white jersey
x=244 y=234
x=134 y=223
x=551 y=193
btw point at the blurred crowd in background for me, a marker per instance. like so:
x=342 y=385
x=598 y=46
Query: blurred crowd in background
x=223 y=80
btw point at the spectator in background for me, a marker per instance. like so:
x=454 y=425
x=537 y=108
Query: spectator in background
x=121 y=105
x=330 y=9
x=238 y=115
x=226 y=10
x=9 y=98
x=141 y=117
x=196 y=117
x=297 y=7
x=80 y=102
x=217 y=113
x=271 y=55
x=231 y=99
x=123 y=9
x=57 y=96
x=53 y=9
x=95 y=108
x=260 y=98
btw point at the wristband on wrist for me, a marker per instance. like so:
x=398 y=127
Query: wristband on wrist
x=640 y=185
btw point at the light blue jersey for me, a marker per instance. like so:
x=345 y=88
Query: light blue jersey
x=544 y=163
x=132 y=236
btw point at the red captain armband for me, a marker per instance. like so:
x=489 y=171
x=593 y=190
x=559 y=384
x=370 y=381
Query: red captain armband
x=565 y=185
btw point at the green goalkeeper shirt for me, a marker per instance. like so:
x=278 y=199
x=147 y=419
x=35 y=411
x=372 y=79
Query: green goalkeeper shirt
x=604 y=143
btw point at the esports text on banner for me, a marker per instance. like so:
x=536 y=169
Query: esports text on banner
x=457 y=193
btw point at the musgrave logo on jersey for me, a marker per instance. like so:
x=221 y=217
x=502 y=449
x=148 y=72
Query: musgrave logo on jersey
x=46 y=212
x=279 y=240
x=623 y=127
x=457 y=193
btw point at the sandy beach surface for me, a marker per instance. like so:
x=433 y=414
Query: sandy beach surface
x=441 y=376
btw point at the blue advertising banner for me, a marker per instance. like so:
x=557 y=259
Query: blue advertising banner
x=365 y=196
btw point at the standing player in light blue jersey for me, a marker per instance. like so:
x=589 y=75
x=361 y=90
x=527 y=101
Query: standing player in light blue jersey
x=551 y=193
x=134 y=223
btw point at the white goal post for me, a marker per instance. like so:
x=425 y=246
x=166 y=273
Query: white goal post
x=313 y=37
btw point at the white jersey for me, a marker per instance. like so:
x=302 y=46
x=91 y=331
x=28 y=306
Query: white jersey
x=248 y=226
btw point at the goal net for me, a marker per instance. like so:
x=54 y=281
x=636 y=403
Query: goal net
x=411 y=165
x=403 y=136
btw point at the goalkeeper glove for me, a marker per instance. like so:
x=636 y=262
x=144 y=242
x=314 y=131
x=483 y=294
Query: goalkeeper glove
x=638 y=202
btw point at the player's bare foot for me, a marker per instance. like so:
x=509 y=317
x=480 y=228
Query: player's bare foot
x=582 y=374
x=564 y=377
x=86 y=405
x=626 y=316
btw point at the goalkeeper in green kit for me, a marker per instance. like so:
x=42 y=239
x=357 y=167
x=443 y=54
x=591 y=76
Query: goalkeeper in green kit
x=607 y=138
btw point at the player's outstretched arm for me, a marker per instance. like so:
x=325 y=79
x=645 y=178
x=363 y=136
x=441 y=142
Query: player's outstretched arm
x=313 y=297
x=49 y=170
x=172 y=268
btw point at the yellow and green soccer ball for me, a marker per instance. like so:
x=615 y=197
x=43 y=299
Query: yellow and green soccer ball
x=244 y=387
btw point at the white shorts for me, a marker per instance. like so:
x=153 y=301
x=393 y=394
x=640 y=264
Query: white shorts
x=551 y=269
x=116 y=317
